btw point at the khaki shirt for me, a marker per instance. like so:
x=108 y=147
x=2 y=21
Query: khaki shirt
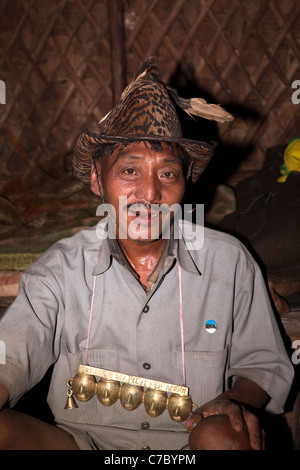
x=138 y=333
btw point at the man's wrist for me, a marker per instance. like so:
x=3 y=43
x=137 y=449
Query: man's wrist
x=246 y=392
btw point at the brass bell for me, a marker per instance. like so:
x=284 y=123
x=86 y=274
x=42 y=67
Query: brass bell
x=155 y=402
x=84 y=386
x=179 y=407
x=131 y=396
x=108 y=391
x=70 y=403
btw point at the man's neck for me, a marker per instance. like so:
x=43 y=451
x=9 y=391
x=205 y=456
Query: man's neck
x=143 y=257
x=135 y=249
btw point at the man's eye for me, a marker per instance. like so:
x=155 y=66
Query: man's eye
x=130 y=171
x=168 y=174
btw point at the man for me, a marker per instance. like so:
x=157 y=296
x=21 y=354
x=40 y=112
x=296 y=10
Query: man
x=144 y=320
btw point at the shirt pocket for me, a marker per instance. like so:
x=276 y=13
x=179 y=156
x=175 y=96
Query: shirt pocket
x=205 y=373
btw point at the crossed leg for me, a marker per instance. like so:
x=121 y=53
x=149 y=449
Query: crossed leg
x=19 y=431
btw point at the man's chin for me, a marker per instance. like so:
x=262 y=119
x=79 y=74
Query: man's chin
x=144 y=242
x=149 y=234
x=144 y=235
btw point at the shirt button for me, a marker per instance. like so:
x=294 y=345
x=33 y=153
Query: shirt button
x=147 y=366
x=145 y=425
x=146 y=309
x=146 y=447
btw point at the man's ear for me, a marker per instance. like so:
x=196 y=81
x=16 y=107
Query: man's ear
x=94 y=182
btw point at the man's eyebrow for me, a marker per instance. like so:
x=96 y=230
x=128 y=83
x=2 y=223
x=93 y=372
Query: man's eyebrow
x=175 y=160
x=172 y=160
x=125 y=157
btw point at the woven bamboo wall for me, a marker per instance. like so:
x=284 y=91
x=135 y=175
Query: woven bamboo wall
x=65 y=61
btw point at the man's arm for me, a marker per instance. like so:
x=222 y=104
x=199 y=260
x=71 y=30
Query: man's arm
x=247 y=393
x=236 y=403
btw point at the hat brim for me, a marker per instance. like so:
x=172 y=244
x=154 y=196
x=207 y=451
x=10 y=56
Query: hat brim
x=88 y=144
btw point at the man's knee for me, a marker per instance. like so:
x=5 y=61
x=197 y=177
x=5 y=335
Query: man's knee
x=19 y=431
x=216 y=433
x=7 y=436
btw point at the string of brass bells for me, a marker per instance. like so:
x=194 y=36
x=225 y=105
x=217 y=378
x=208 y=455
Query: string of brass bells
x=83 y=386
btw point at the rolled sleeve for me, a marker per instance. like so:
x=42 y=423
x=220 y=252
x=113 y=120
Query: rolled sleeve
x=258 y=352
x=30 y=330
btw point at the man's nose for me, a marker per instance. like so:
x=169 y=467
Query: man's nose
x=149 y=189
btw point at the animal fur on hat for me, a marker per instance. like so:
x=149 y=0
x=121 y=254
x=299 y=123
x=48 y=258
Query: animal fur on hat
x=146 y=112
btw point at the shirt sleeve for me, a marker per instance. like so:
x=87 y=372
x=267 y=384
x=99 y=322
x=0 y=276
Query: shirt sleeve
x=30 y=330
x=258 y=351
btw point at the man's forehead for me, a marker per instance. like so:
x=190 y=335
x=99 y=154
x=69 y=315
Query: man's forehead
x=141 y=150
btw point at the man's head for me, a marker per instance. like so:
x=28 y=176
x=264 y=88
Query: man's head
x=144 y=182
x=147 y=112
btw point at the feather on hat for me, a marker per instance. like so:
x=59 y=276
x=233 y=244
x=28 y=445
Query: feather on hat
x=146 y=112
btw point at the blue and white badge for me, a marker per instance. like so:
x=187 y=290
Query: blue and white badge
x=211 y=326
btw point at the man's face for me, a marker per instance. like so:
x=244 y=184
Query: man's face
x=136 y=181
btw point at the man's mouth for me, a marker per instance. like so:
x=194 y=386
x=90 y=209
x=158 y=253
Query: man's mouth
x=143 y=212
x=140 y=217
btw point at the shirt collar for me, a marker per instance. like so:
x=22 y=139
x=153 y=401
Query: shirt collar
x=104 y=258
x=185 y=258
x=175 y=249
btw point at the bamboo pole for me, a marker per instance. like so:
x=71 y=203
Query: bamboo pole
x=116 y=28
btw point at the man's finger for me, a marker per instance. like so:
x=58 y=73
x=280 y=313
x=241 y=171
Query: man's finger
x=255 y=433
x=193 y=420
x=235 y=415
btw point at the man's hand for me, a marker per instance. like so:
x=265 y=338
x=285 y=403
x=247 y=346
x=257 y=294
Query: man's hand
x=240 y=419
x=233 y=404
